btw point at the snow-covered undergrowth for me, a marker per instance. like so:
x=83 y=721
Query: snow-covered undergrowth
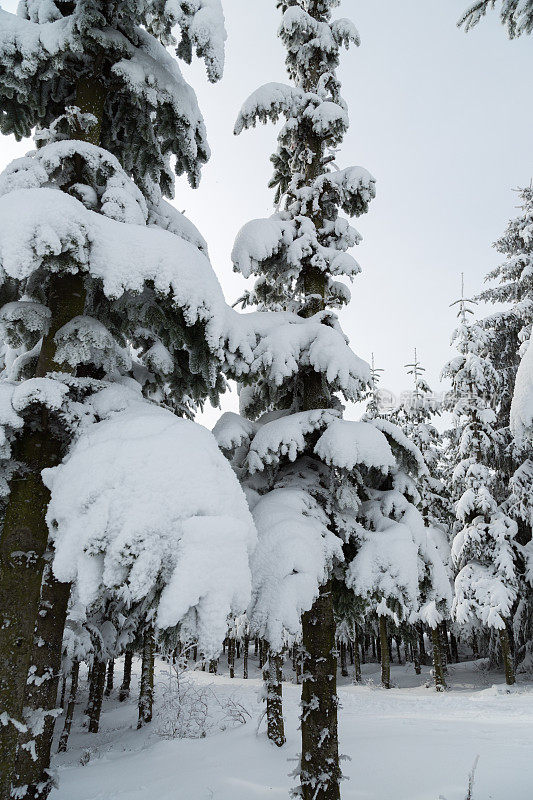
x=408 y=743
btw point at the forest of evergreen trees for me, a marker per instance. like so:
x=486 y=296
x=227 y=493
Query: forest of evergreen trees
x=297 y=537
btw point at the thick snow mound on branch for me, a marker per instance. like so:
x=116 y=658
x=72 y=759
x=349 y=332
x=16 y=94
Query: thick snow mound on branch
x=285 y=437
x=482 y=593
x=146 y=503
x=232 y=430
x=288 y=347
x=269 y=102
x=293 y=558
x=347 y=444
x=522 y=405
x=202 y=22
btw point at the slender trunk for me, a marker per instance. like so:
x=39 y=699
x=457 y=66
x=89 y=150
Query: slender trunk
x=24 y=534
x=297 y=663
x=273 y=677
x=455 y=649
x=110 y=677
x=384 y=649
x=126 y=678
x=416 y=657
x=398 y=642
x=245 y=648
x=422 y=645
x=74 y=677
x=97 y=692
x=34 y=748
x=356 y=661
x=444 y=646
x=63 y=691
x=344 y=665
x=320 y=772
x=438 y=670
x=507 y=657
x=231 y=656
x=475 y=648
x=146 y=693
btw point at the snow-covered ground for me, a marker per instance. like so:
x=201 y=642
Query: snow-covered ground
x=408 y=743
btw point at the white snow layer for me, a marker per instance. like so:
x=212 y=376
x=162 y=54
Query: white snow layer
x=294 y=554
x=522 y=405
x=145 y=501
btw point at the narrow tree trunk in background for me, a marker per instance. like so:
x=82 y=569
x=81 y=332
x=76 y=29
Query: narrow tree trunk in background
x=213 y=666
x=444 y=627
x=97 y=692
x=455 y=649
x=384 y=650
x=245 y=649
x=110 y=677
x=146 y=693
x=375 y=654
x=475 y=649
x=443 y=638
x=31 y=765
x=344 y=666
x=440 y=682
x=422 y=645
x=63 y=691
x=356 y=661
x=398 y=642
x=231 y=656
x=273 y=677
x=416 y=657
x=320 y=772
x=124 y=692
x=507 y=657
x=74 y=677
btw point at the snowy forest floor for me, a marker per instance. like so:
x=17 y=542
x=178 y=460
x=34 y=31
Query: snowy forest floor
x=407 y=743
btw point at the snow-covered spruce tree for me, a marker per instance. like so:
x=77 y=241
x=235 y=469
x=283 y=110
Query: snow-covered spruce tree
x=484 y=548
x=297 y=254
x=509 y=329
x=90 y=287
x=516 y=15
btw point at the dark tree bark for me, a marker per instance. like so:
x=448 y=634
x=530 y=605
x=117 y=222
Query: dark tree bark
x=422 y=645
x=124 y=692
x=273 y=676
x=356 y=661
x=96 y=694
x=507 y=657
x=24 y=535
x=245 y=649
x=231 y=656
x=344 y=665
x=74 y=677
x=146 y=693
x=320 y=772
x=110 y=677
x=33 y=761
x=455 y=649
x=438 y=670
x=384 y=650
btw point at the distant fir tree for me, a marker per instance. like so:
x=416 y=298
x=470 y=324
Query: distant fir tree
x=509 y=349
x=484 y=548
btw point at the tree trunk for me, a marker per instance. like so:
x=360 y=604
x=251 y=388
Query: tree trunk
x=444 y=646
x=356 y=660
x=74 y=677
x=146 y=693
x=231 y=656
x=34 y=748
x=455 y=649
x=344 y=665
x=320 y=772
x=273 y=677
x=384 y=649
x=438 y=670
x=24 y=535
x=507 y=657
x=124 y=692
x=97 y=694
x=422 y=645
x=416 y=657
x=245 y=648
x=398 y=643
x=110 y=677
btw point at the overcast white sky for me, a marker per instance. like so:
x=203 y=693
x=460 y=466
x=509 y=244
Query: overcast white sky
x=443 y=120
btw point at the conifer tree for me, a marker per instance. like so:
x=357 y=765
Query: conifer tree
x=297 y=256
x=103 y=282
x=484 y=548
